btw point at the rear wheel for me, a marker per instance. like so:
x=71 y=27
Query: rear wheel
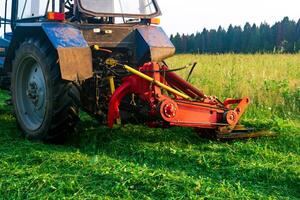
x=46 y=107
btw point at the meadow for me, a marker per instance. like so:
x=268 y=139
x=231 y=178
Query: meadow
x=136 y=162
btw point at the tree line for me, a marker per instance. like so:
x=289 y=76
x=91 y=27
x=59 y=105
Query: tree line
x=282 y=37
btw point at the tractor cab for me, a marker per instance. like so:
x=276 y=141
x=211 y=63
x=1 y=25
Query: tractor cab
x=118 y=20
x=80 y=11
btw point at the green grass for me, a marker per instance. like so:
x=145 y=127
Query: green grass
x=271 y=81
x=135 y=162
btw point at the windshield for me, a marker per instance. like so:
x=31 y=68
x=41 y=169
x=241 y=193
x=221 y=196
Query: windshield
x=122 y=7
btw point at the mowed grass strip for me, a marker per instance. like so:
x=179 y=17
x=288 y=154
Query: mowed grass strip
x=136 y=162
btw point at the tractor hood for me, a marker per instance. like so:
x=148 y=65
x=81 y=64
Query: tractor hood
x=152 y=42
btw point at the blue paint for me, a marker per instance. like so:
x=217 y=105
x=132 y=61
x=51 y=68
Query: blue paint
x=8 y=36
x=4 y=43
x=60 y=34
x=1 y=62
x=64 y=35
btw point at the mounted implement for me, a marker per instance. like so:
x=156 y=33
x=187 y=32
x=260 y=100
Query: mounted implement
x=107 y=58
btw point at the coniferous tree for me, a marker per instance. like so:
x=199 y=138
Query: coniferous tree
x=282 y=37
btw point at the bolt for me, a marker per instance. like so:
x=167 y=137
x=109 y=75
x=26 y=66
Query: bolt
x=170 y=110
x=32 y=92
x=231 y=117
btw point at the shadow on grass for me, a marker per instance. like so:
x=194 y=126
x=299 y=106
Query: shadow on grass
x=177 y=152
x=180 y=150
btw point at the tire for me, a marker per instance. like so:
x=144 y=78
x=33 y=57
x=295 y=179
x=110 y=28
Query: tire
x=46 y=107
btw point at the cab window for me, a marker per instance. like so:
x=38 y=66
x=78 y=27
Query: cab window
x=31 y=8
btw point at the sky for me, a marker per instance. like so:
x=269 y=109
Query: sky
x=190 y=16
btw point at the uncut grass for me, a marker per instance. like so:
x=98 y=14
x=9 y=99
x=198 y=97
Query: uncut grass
x=138 y=162
x=271 y=81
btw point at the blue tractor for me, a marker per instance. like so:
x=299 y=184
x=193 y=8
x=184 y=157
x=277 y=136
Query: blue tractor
x=52 y=60
x=107 y=58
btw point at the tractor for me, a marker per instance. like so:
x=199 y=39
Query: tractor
x=107 y=58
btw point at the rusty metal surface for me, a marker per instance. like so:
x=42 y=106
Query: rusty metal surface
x=245 y=135
x=75 y=57
x=75 y=63
x=154 y=41
x=119 y=36
x=238 y=134
x=161 y=53
x=155 y=36
x=242 y=132
x=147 y=43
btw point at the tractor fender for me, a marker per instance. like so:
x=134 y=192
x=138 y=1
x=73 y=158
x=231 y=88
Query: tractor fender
x=74 y=53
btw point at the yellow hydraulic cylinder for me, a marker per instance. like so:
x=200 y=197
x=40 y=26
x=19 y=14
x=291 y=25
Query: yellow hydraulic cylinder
x=148 y=78
x=112 y=84
x=112 y=90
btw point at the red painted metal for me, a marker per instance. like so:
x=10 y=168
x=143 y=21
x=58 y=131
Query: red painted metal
x=115 y=101
x=191 y=115
x=200 y=111
x=234 y=115
x=179 y=83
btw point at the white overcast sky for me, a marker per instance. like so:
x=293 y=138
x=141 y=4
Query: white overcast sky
x=190 y=16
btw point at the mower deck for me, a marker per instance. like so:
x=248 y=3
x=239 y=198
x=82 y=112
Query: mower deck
x=241 y=132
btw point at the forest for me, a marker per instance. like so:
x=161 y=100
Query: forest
x=282 y=37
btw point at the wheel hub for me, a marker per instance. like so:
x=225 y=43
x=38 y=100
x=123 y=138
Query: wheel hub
x=35 y=92
x=31 y=94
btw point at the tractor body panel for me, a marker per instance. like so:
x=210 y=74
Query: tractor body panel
x=141 y=43
x=144 y=43
x=63 y=35
x=4 y=44
x=153 y=42
x=74 y=53
x=1 y=62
